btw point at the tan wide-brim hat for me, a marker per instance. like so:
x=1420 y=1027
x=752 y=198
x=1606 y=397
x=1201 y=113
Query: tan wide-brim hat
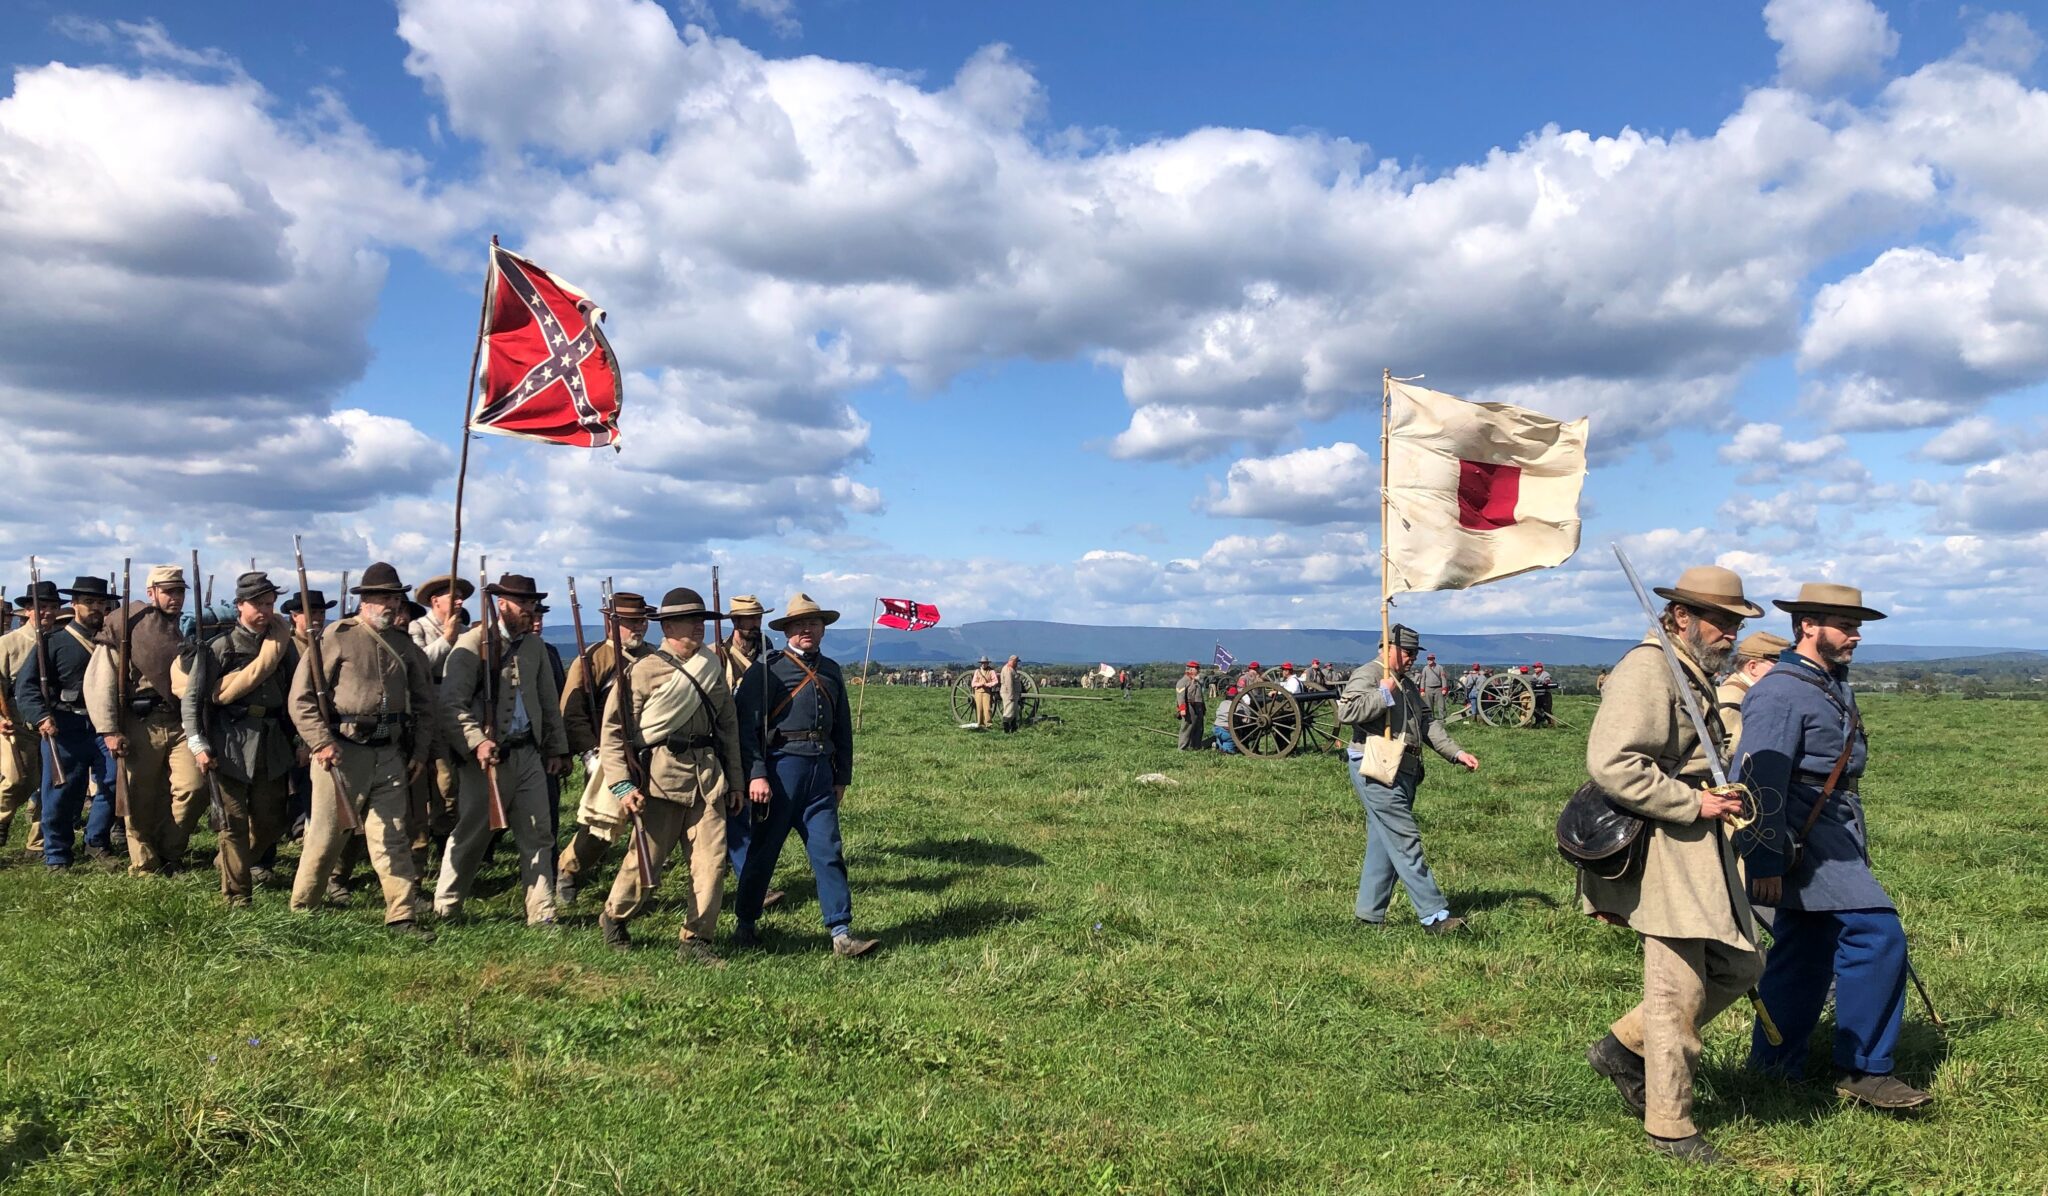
x=433 y=586
x=1827 y=598
x=1712 y=587
x=747 y=604
x=801 y=607
x=1761 y=645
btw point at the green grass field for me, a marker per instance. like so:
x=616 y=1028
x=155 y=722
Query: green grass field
x=1087 y=985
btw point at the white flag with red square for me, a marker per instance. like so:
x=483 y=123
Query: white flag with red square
x=1477 y=491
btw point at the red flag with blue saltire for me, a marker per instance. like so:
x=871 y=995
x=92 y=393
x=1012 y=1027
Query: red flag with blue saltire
x=548 y=372
x=904 y=615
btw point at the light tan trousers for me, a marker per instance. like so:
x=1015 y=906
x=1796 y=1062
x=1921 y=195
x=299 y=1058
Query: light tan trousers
x=667 y=823
x=1685 y=983
x=374 y=778
x=983 y=702
x=164 y=786
x=583 y=854
x=255 y=820
x=21 y=779
x=523 y=787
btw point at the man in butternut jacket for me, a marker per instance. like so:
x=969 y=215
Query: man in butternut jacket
x=521 y=739
x=675 y=727
x=1687 y=903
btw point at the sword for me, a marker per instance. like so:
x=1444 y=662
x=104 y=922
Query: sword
x=1708 y=748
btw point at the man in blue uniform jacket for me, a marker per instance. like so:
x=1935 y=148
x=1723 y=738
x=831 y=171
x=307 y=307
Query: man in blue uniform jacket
x=796 y=744
x=66 y=727
x=1809 y=856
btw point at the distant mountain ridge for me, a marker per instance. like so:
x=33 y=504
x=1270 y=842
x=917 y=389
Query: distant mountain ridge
x=1073 y=643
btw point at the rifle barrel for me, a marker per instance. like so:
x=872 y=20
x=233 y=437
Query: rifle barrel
x=323 y=699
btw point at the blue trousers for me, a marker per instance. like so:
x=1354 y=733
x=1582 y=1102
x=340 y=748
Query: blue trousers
x=800 y=799
x=1864 y=952
x=1224 y=743
x=84 y=759
x=1393 y=850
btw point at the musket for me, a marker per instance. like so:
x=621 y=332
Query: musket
x=198 y=688
x=495 y=810
x=1708 y=748
x=35 y=586
x=718 y=624
x=643 y=856
x=341 y=599
x=323 y=696
x=122 y=692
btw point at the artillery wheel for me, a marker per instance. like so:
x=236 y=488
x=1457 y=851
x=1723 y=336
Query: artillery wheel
x=1319 y=724
x=1507 y=700
x=1267 y=721
x=961 y=702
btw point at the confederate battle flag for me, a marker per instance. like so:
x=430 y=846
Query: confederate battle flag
x=1477 y=491
x=548 y=372
x=905 y=615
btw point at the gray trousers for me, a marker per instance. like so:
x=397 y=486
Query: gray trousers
x=1393 y=849
x=1191 y=727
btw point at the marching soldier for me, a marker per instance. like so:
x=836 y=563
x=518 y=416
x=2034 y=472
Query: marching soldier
x=65 y=726
x=684 y=730
x=1380 y=694
x=1191 y=706
x=796 y=741
x=236 y=726
x=599 y=820
x=435 y=633
x=146 y=739
x=984 y=683
x=21 y=749
x=384 y=710
x=1687 y=903
x=1754 y=656
x=1835 y=926
x=749 y=645
x=1010 y=684
x=524 y=744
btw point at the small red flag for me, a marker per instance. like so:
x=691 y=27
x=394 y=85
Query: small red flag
x=548 y=372
x=905 y=615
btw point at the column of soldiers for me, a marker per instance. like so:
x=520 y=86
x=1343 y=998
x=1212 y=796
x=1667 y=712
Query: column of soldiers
x=415 y=729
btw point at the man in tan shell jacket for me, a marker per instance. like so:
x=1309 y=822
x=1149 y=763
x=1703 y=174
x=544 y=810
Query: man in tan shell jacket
x=685 y=733
x=525 y=742
x=1688 y=904
x=599 y=821
x=384 y=709
x=1756 y=655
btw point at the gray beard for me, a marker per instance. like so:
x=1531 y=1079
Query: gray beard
x=381 y=618
x=1712 y=661
x=630 y=640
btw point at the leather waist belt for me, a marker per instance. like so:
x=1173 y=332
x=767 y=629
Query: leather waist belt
x=523 y=739
x=690 y=743
x=1819 y=780
x=779 y=739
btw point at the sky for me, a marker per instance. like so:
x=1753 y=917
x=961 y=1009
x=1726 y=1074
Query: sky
x=1057 y=311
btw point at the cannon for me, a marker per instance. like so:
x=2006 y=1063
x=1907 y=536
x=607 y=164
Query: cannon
x=1507 y=700
x=1269 y=721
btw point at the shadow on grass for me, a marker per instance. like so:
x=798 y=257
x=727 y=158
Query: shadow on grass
x=30 y=1136
x=956 y=922
x=1810 y=1096
x=1480 y=899
x=976 y=852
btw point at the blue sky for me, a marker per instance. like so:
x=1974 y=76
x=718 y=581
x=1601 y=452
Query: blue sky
x=1074 y=300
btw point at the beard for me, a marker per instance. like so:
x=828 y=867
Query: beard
x=631 y=640
x=380 y=618
x=1712 y=660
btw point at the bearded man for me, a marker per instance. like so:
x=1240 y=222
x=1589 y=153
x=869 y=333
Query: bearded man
x=1687 y=902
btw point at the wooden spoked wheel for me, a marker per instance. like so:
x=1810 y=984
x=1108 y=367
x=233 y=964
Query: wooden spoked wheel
x=1507 y=700
x=1268 y=722
x=961 y=702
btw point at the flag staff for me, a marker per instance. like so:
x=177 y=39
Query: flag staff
x=861 y=708
x=1386 y=592
x=468 y=397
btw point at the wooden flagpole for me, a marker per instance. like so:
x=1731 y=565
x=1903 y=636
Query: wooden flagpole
x=476 y=354
x=861 y=709
x=1386 y=583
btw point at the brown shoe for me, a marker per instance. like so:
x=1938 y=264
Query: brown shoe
x=846 y=946
x=1880 y=1091
x=410 y=929
x=698 y=951
x=1690 y=1150
x=1451 y=925
x=1623 y=1066
x=773 y=898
